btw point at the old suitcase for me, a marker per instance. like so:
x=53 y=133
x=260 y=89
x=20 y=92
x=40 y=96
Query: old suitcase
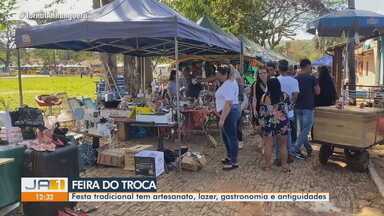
x=10 y=174
x=111 y=157
x=63 y=162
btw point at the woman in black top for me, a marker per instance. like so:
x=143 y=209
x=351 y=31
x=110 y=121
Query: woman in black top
x=327 y=96
x=259 y=88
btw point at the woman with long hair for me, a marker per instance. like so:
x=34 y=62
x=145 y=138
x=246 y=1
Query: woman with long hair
x=327 y=96
x=274 y=123
x=259 y=88
x=227 y=105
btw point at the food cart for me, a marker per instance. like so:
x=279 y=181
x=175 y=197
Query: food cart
x=352 y=128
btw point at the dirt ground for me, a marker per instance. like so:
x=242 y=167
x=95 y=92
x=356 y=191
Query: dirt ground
x=351 y=193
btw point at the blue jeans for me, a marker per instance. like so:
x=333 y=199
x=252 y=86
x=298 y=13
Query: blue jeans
x=229 y=133
x=290 y=144
x=305 y=119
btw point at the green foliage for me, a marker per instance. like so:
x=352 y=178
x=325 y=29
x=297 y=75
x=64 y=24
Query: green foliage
x=266 y=22
x=299 y=49
x=32 y=87
x=6 y=8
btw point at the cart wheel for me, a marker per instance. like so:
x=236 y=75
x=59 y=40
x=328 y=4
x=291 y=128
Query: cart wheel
x=357 y=160
x=325 y=152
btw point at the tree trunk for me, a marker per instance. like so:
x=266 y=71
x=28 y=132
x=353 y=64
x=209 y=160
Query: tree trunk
x=109 y=60
x=131 y=74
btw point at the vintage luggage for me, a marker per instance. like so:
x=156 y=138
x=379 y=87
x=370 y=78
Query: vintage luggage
x=27 y=117
x=10 y=174
x=64 y=162
x=111 y=157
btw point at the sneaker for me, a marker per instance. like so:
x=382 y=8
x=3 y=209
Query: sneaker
x=300 y=156
x=228 y=167
x=225 y=161
x=277 y=162
x=241 y=144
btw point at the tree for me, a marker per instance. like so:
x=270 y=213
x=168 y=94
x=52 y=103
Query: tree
x=6 y=8
x=265 y=21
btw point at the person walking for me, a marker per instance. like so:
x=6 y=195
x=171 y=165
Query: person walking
x=290 y=86
x=328 y=95
x=227 y=105
x=304 y=107
x=274 y=123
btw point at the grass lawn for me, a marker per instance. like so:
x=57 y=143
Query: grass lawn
x=33 y=86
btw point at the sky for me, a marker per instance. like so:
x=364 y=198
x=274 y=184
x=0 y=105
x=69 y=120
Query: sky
x=80 y=6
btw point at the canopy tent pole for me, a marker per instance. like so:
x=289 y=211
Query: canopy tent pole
x=177 y=86
x=144 y=87
x=19 y=78
x=178 y=101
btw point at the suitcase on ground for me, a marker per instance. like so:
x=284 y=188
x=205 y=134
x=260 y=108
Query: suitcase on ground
x=10 y=174
x=64 y=162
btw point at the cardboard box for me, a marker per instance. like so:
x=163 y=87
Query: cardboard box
x=129 y=157
x=149 y=163
x=111 y=157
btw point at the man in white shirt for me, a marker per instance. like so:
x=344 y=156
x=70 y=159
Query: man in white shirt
x=290 y=86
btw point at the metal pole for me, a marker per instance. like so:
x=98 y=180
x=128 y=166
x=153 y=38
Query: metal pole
x=178 y=103
x=19 y=78
x=351 y=61
x=144 y=87
x=177 y=87
x=351 y=4
x=241 y=58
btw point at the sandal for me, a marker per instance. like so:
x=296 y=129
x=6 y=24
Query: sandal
x=286 y=170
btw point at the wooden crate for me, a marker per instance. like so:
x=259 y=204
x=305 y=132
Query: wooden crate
x=121 y=157
x=111 y=157
x=129 y=157
x=351 y=126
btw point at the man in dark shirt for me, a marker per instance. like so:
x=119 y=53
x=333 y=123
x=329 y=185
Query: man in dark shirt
x=305 y=104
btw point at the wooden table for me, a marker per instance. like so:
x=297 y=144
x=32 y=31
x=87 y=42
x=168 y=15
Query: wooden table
x=124 y=123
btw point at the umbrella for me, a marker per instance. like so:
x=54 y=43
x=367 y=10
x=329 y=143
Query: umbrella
x=323 y=61
x=348 y=21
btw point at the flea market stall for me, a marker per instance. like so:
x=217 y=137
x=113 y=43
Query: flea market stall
x=136 y=28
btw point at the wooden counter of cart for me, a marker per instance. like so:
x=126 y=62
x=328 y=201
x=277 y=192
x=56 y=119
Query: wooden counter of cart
x=352 y=128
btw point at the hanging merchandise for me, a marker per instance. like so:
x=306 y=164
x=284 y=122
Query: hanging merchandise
x=27 y=117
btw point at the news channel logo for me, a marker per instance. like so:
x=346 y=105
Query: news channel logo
x=44 y=184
